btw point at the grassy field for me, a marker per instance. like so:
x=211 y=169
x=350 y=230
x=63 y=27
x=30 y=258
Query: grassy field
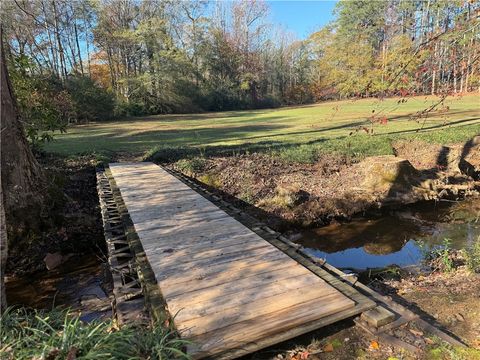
x=329 y=127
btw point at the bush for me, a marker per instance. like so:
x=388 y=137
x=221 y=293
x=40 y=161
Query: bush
x=268 y=103
x=191 y=167
x=91 y=101
x=44 y=105
x=168 y=154
x=123 y=108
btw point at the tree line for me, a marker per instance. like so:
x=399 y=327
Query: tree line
x=89 y=60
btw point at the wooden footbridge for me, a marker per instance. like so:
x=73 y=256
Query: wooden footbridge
x=229 y=290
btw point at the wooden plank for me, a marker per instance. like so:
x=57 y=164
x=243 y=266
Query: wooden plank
x=199 y=242
x=249 y=280
x=155 y=229
x=252 y=310
x=214 y=269
x=153 y=214
x=250 y=296
x=187 y=255
x=239 y=334
x=222 y=274
x=217 y=275
x=227 y=259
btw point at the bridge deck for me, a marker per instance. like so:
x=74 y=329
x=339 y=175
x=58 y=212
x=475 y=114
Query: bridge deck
x=227 y=287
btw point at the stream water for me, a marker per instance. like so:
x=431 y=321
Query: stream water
x=397 y=237
x=80 y=284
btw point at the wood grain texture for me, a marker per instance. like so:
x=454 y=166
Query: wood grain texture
x=226 y=285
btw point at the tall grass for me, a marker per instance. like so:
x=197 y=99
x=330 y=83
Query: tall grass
x=32 y=334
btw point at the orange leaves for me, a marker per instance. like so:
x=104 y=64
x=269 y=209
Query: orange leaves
x=303 y=355
x=374 y=345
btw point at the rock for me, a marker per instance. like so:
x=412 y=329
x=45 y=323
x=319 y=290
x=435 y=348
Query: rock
x=390 y=179
x=53 y=260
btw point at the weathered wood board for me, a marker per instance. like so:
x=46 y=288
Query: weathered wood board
x=225 y=285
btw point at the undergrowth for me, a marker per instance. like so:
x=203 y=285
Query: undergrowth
x=191 y=167
x=439 y=258
x=58 y=334
x=472 y=256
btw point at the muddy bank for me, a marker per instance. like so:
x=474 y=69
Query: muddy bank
x=447 y=298
x=83 y=284
x=64 y=265
x=336 y=187
x=74 y=226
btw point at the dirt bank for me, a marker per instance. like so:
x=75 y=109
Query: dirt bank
x=337 y=187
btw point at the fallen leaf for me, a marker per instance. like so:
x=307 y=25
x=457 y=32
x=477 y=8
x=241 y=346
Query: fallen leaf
x=416 y=332
x=328 y=348
x=374 y=345
x=429 y=341
x=304 y=355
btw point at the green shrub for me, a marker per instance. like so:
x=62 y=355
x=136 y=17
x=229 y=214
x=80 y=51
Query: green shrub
x=440 y=258
x=44 y=105
x=132 y=108
x=91 y=101
x=191 y=167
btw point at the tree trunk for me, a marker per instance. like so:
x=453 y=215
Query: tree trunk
x=77 y=42
x=63 y=64
x=3 y=251
x=22 y=180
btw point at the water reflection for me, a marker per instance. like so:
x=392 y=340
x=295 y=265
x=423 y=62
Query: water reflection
x=79 y=284
x=394 y=238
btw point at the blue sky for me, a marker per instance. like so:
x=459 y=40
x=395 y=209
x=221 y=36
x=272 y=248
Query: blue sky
x=301 y=17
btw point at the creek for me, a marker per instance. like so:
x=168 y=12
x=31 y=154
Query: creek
x=394 y=237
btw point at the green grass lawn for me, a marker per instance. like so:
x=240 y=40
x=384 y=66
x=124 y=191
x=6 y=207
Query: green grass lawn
x=328 y=126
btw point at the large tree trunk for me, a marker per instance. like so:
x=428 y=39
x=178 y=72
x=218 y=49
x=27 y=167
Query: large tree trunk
x=3 y=251
x=22 y=179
